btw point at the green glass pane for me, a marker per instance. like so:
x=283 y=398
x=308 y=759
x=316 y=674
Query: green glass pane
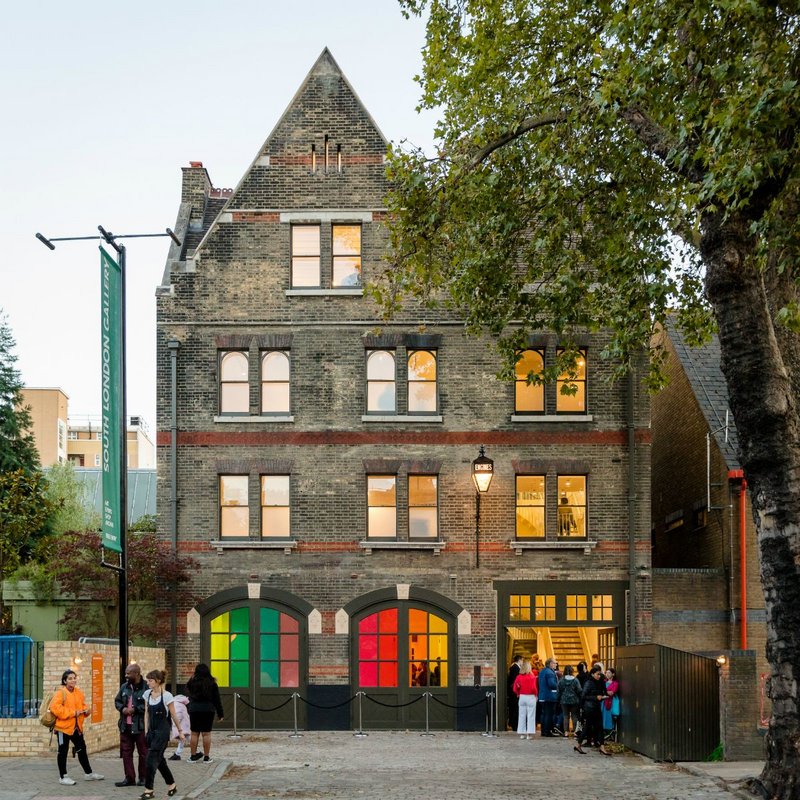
x=239 y=673
x=269 y=620
x=269 y=647
x=240 y=620
x=240 y=646
x=221 y=671
x=221 y=623
x=269 y=674
x=219 y=646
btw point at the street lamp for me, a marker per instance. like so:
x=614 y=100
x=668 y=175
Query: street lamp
x=482 y=474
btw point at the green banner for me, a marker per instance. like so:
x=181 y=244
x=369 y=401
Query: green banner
x=111 y=381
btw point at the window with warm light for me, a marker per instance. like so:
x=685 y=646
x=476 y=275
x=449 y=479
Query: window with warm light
x=576 y=607
x=519 y=607
x=427 y=649
x=572 y=505
x=275 y=382
x=275 y=509
x=381 y=382
x=422 y=382
x=530 y=507
x=234 y=510
x=382 y=506
x=234 y=386
x=305 y=256
x=573 y=402
x=346 y=250
x=602 y=607
x=528 y=397
x=544 y=607
x=423 y=509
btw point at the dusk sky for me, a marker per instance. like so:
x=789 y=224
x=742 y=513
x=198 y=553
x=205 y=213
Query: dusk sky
x=103 y=103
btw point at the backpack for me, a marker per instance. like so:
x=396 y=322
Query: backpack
x=46 y=716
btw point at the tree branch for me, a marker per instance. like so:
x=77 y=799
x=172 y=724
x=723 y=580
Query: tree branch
x=530 y=124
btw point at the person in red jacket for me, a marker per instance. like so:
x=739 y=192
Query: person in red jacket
x=70 y=710
x=526 y=689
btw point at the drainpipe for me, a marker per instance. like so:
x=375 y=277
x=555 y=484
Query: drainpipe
x=737 y=475
x=631 y=505
x=173 y=346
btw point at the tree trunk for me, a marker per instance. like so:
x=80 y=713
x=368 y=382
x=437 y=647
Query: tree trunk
x=760 y=366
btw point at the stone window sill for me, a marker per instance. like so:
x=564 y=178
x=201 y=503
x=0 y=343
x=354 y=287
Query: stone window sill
x=355 y=292
x=405 y=418
x=244 y=418
x=287 y=545
x=587 y=545
x=551 y=418
x=368 y=546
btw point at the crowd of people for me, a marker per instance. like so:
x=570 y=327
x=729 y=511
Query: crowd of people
x=150 y=716
x=582 y=703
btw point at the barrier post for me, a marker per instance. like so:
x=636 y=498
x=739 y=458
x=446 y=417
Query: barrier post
x=488 y=714
x=295 y=735
x=235 y=734
x=492 y=712
x=360 y=733
x=427 y=696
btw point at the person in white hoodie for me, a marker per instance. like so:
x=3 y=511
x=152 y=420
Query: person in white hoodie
x=182 y=713
x=569 y=695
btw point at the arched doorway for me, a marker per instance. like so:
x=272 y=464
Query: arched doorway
x=257 y=647
x=401 y=649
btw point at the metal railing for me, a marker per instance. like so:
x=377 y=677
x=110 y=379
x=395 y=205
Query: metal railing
x=21 y=668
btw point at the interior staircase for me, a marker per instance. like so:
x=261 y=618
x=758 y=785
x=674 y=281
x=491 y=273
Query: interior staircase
x=567 y=646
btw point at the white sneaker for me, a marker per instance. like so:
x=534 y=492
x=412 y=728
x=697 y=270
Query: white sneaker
x=94 y=776
x=66 y=781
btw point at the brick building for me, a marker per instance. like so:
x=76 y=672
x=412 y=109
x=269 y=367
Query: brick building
x=317 y=461
x=701 y=518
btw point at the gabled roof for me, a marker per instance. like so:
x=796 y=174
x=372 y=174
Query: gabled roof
x=702 y=368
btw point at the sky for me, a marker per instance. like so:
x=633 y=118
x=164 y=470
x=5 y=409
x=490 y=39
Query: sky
x=103 y=103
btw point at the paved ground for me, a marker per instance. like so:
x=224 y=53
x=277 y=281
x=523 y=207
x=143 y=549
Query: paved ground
x=389 y=766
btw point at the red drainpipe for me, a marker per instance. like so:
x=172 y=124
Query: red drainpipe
x=738 y=476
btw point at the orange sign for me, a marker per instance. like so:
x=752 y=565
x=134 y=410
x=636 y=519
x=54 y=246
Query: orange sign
x=97 y=688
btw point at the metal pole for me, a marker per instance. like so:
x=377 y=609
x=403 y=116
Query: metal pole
x=295 y=735
x=427 y=696
x=360 y=733
x=235 y=734
x=123 y=479
x=488 y=714
x=477 y=529
x=491 y=734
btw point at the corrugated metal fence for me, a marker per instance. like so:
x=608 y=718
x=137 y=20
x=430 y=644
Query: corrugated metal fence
x=670 y=702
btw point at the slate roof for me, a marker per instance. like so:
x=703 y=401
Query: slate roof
x=702 y=368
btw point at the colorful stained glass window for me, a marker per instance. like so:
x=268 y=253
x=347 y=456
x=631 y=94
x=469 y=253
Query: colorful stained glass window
x=279 y=649
x=230 y=648
x=377 y=649
x=427 y=649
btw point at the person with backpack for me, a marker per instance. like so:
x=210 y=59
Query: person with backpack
x=69 y=708
x=569 y=696
x=130 y=704
x=204 y=700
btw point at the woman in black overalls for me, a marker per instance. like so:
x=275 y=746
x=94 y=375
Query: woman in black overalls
x=157 y=732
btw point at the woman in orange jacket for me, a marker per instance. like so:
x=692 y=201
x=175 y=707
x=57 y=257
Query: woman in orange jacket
x=70 y=709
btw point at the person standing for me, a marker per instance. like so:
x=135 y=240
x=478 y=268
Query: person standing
x=204 y=700
x=525 y=688
x=610 y=708
x=70 y=710
x=569 y=695
x=130 y=704
x=512 y=701
x=160 y=709
x=594 y=693
x=548 y=694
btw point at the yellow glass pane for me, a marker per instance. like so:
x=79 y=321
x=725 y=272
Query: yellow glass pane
x=437 y=647
x=222 y=623
x=421 y=366
x=221 y=670
x=529 y=361
x=437 y=624
x=528 y=397
x=220 y=646
x=530 y=490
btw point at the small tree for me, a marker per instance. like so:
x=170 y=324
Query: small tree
x=153 y=572
x=71 y=508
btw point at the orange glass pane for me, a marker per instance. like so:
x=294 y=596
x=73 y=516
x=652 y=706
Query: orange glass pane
x=388 y=648
x=417 y=621
x=388 y=673
x=388 y=620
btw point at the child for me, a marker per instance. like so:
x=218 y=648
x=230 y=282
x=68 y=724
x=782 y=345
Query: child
x=181 y=712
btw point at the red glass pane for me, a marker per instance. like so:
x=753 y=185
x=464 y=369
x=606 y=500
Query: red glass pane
x=389 y=620
x=367 y=648
x=388 y=674
x=417 y=621
x=367 y=674
x=289 y=624
x=388 y=645
x=290 y=673
x=368 y=624
x=289 y=646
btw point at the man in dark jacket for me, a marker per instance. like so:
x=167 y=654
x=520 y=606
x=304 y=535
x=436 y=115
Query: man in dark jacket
x=130 y=704
x=548 y=695
x=511 y=698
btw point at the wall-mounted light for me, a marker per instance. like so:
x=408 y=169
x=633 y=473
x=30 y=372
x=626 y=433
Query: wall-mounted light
x=482 y=471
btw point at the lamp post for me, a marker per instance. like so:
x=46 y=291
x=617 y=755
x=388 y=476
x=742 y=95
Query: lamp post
x=482 y=474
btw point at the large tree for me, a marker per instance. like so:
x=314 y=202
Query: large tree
x=17 y=445
x=601 y=163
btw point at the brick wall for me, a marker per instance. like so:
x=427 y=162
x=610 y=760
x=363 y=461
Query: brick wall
x=739 y=704
x=27 y=737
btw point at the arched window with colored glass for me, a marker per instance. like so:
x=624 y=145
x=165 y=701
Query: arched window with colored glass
x=230 y=648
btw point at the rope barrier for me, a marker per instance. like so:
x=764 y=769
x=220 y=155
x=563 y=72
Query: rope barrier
x=325 y=708
x=449 y=705
x=274 y=708
x=391 y=705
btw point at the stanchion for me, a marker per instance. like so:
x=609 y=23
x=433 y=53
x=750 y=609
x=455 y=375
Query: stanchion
x=360 y=733
x=295 y=735
x=427 y=696
x=492 y=714
x=235 y=734
x=488 y=715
